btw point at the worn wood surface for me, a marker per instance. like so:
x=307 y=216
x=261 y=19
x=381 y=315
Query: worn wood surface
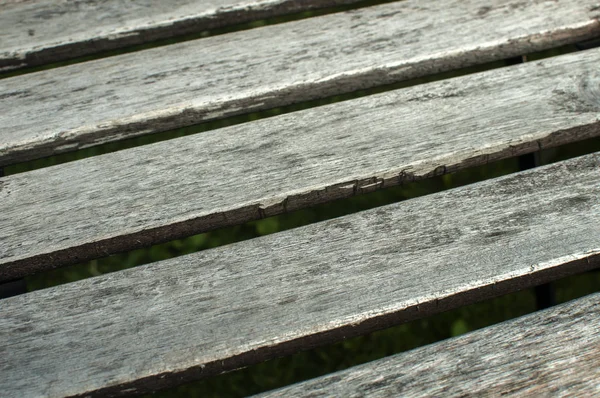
x=552 y=353
x=136 y=197
x=36 y=32
x=220 y=309
x=86 y=104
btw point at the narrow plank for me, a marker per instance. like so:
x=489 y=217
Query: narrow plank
x=133 y=198
x=91 y=103
x=548 y=353
x=221 y=309
x=37 y=32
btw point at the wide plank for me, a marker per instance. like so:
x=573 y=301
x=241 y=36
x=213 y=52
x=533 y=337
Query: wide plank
x=548 y=353
x=164 y=88
x=133 y=198
x=198 y=315
x=37 y=32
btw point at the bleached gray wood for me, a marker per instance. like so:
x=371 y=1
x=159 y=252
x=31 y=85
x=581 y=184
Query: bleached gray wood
x=220 y=309
x=548 y=353
x=136 y=197
x=35 y=32
x=91 y=103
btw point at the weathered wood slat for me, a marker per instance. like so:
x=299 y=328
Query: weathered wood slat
x=37 y=32
x=549 y=353
x=223 y=308
x=91 y=103
x=132 y=198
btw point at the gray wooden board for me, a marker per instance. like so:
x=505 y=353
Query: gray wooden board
x=548 y=353
x=133 y=198
x=155 y=90
x=36 y=32
x=220 y=309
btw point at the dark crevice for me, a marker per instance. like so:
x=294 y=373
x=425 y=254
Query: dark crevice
x=544 y=296
x=12 y=288
x=588 y=44
x=528 y=161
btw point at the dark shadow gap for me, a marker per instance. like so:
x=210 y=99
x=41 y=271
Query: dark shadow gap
x=12 y=288
x=244 y=118
x=588 y=44
x=299 y=218
x=324 y=360
x=125 y=48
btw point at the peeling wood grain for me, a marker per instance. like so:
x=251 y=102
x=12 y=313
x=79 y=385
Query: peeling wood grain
x=198 y=315
x=133 y=198
x=43 y=31
x=548 y=353
x=87 y=104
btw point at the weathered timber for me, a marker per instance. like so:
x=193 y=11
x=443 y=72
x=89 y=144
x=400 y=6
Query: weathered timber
x=220 y=309
x=136 y=197
x=82 y=105
x=548 y=353
x=37 y=32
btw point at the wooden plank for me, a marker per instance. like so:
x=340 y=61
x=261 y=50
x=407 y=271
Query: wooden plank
x=221 y=309
x=136 y=197
x=37 y=32
x=548 y=353
x=91 y=103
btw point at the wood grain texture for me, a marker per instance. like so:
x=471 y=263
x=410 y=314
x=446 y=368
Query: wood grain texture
x=224 y=308
x=548 y=353
x=136 y=197
x=37 y=32
x=82 y=105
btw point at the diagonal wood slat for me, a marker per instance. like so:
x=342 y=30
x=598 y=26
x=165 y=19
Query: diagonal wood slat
x=133 y=198
x=37 y=32
x=197 y=315
x=549 y=353
x=82 y=105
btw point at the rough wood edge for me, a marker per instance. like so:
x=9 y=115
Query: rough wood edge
x=78 y=254
x=32 y=56
x=326 y=384
x=168 y=119
x=170 y=379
